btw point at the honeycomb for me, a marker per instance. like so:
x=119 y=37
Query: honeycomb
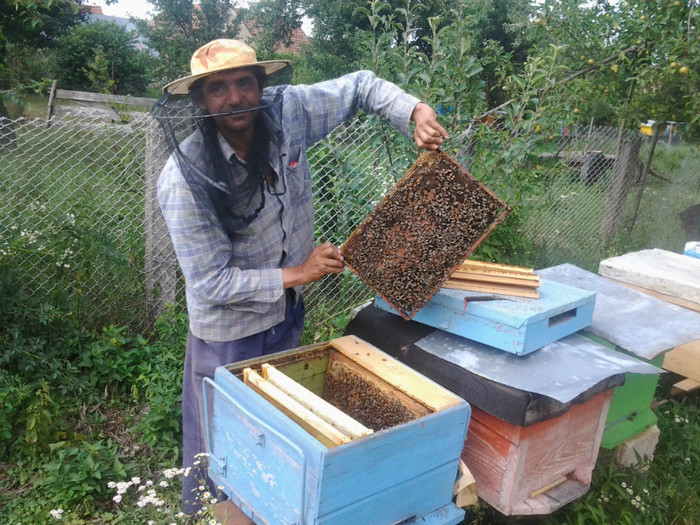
x=428 y=223
x=359 y=398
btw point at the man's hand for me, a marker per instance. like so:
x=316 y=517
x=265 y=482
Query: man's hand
x=428 y=134
x=322 y=260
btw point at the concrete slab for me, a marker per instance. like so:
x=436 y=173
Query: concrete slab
x=638 y=450
x=658 y=270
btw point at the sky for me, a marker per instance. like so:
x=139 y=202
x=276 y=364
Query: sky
x=141 y=9
x=135 y=8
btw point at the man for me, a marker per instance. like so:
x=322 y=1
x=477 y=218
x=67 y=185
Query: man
x=236 y=196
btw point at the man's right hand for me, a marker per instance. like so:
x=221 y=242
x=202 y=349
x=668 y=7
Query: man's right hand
x=322 y=260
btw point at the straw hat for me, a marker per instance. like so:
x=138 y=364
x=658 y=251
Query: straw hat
x=220 y=55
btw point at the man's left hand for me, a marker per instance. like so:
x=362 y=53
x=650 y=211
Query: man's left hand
x=429 y=134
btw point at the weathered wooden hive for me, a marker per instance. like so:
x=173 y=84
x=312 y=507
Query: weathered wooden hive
x=391 y=453
x=431 y=220
x=529 y=453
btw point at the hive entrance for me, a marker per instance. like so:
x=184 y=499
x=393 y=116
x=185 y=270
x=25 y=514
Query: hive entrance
x=432 y=219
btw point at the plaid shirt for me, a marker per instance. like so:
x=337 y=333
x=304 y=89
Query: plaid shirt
x=234 y=285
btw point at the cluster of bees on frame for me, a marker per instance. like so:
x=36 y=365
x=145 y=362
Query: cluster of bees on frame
x=365 y=403
x=428 y=224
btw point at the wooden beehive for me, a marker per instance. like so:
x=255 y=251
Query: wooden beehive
x=528 y=452
x=637 y=324
x=538 y=468
x=432 y=219
x=280 y=472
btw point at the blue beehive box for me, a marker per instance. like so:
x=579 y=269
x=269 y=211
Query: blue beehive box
x=279 y=474
x=514 y=324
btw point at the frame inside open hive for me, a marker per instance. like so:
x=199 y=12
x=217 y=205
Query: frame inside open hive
x=343 y=390
x=432 y=220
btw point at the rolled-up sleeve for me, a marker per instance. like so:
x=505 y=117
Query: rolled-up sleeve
x=328 y=104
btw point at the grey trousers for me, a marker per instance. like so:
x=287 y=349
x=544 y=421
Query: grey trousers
x=201 y=360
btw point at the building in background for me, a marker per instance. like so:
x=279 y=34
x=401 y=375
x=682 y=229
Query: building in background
x=248 y=31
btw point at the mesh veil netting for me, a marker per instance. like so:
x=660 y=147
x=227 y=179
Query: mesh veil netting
x=236 y=193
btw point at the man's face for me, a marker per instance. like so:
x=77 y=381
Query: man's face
x=231 y=91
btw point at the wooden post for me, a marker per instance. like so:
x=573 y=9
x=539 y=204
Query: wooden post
x=160 y=261
x=49 y=109
x=625 y=169
x=626 y=160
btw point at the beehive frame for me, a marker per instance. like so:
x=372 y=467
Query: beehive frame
x=431 y=220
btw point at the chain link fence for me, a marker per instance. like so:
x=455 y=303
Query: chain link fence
x=600 y=201
x=80 y=222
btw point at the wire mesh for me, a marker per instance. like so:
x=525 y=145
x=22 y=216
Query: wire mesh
x=589 y=177
x=80 y=224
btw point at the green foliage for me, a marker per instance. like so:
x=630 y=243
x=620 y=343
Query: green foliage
x=506 y=244
x=322 y=326
x=462 y=92
x=45 y=351
x=275 y=20
x=55 y=376
x=97 y=71
x=79 y=472
x=27 y=69
x=36 y=23
x=178 y=28
x=495 y=34
x=159 y=383
x=98 y=57
x=379 y=47
x=649 y=42
x=337 y=43
x=12 y=396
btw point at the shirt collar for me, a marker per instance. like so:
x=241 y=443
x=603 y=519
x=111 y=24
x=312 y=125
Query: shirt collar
x=226 y=149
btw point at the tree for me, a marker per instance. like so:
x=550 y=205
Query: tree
x=336 y=46
x=656 y=46
x=180 y=27
x=30 y=23
x=275 y=22
x=36 y=23
x=101 y=57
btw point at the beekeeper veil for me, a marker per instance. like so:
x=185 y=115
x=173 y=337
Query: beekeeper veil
x=235 y=190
